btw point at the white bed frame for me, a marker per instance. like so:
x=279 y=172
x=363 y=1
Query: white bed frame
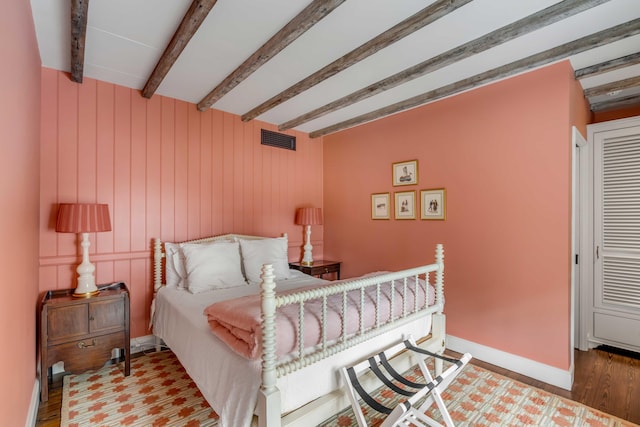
x=268 y=407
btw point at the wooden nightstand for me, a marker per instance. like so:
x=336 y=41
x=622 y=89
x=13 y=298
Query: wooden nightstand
x=82 y=332
x=319 y=268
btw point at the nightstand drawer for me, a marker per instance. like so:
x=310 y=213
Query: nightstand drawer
x=106 y=316
x=76 y=321
x=318 y=268
x=68 y=322
x=89 y=353
x=328 y=269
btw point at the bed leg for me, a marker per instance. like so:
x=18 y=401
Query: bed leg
x=438 y=332
x=269 y=408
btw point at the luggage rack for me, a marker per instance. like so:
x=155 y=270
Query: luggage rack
x=407 y=412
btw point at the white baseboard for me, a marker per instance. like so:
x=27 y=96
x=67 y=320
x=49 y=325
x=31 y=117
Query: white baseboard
x=32 y=416
x=530 y=368
x=144 y=343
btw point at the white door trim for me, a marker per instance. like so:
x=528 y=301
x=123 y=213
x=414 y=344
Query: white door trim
x=587 y=237
x=586 y=243
x=578 y=143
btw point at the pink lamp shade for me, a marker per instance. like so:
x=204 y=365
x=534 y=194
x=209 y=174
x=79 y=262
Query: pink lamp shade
x=308 y=216
x=83 y=218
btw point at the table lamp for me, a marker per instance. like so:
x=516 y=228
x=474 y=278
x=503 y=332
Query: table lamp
x=84 y=218
x=308 y=217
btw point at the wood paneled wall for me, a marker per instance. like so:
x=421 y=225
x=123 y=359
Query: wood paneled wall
x=166 y=170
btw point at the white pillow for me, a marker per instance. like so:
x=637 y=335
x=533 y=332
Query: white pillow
x=212 y=266
x=265 y=251
x=175 y=273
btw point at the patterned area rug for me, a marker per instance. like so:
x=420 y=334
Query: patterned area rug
x=478 y=397
x=160 y=393
x=157 y=393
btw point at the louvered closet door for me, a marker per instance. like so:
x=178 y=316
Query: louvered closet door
x=617 y=234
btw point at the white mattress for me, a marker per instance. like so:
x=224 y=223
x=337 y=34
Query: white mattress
x=229 y=382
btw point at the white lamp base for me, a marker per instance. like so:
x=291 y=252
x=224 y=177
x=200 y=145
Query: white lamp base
x=307 y=258
x=86 y=281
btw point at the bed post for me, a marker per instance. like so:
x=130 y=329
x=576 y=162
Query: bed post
x=157 y=283
x=157 y=264
x=440 y=277
x=438 y=319
x=269 y=395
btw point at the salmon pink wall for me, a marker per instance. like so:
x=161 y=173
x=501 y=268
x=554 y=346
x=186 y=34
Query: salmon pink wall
x=166 y=170
x=19 y=183
x=503 y=154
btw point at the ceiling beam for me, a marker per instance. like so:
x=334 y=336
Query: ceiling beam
x=516 y=29
x=605 y=89
x=79 y=14
x=415 y=22
x=306 y=19
x=604 y=67
x=592 y=41
x=614 y=104
x=191 y=21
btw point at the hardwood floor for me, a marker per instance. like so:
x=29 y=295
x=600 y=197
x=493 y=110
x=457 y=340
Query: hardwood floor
x=49 y=411
x=603 y=380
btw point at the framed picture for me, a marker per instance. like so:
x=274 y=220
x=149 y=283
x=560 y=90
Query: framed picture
x=433 y=204
x=405 y=205
x=380 y=206
x=405 y=173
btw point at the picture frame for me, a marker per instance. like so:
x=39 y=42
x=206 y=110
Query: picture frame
x=380 y=206
x=405 y=173
x=405 y=202
x=433 y=204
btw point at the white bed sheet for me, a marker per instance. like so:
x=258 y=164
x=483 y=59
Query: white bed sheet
x=229 y=382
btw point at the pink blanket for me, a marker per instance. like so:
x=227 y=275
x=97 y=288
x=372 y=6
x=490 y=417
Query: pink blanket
x=237 y=321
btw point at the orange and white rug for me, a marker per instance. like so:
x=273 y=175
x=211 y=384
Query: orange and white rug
x=160 y=393
x=480 y=398
x=157 y=393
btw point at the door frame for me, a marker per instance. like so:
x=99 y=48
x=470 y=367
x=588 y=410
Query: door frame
x=587 y=237
x=579 y=222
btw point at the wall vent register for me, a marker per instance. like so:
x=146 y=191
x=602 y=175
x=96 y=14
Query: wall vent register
x=279 y=140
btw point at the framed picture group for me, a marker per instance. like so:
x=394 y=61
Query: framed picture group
x=430 y=203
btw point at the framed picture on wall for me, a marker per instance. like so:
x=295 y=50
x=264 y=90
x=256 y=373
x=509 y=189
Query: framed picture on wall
x=433 y=204
x=405 y=202
x=405 y=173
x=380 y=206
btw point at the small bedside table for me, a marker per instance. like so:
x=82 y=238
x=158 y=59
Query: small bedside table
x=319 y=268
x=81 y=332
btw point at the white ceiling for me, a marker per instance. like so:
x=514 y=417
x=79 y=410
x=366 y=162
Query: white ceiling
x=125 y=39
